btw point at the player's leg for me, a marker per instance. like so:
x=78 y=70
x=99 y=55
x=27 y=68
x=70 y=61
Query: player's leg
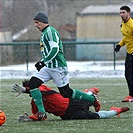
x=128 y=76
x=95 y=91
x=61 y=78
x=34 y=108
x=81 y=110
x=113 y=111
x=106 y=114
x=34 y=83
x=67 y=92
x=78 y=109
x=128 y=72
x=37 y=79
x=84 y=114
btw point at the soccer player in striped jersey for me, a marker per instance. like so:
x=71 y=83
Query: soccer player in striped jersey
x=52 y=66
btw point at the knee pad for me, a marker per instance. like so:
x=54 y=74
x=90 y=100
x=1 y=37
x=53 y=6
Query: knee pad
x=66 y=91
x=34 y=83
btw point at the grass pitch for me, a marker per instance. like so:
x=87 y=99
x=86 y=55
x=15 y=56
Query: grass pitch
x=112 y=91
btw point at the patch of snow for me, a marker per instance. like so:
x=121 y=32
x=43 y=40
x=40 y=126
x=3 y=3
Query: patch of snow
x=78 y=69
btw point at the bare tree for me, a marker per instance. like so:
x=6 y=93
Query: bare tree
x=18 y=14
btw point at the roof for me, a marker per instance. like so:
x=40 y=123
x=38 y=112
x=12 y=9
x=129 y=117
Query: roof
x=111 y=9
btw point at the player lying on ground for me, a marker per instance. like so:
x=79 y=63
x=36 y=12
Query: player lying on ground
x=64 y=107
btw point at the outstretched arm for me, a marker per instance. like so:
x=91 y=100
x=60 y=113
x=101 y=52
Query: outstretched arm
x=19 y=89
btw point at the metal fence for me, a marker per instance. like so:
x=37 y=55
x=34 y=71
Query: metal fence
x=67 y=45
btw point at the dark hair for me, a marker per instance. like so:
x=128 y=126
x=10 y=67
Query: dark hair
x=25 y=83
x=125 y=8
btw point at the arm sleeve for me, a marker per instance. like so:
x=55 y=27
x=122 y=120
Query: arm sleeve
x=121 y=43
x=53 y=52
x=27 y=91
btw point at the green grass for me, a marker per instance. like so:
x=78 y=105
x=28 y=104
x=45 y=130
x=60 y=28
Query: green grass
x=112 y=91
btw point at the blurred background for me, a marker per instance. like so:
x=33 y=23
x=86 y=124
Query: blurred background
x=75 y=20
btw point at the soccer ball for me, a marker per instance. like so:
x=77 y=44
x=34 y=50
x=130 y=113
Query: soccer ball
x=2 y=117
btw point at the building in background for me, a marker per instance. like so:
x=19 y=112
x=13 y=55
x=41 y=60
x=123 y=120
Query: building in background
x=98 y=23
x=6 y=52
x=91 y=23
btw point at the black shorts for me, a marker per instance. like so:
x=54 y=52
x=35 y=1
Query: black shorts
x=79 y=109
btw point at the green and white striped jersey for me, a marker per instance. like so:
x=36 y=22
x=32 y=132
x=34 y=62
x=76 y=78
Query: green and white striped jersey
x=51 y=48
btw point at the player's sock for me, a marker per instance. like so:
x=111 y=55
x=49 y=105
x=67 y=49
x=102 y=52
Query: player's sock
x=37 y=97
x=83 y=96
x=106 y=114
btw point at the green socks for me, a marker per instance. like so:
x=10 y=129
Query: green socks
x=83 y=96
x=37 y=97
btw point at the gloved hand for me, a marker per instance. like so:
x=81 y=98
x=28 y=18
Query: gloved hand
x=39 y=65
x=96 y=103
x=18 y=88
x=117 y=48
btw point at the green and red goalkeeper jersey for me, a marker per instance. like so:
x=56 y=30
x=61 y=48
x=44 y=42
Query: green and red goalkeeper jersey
x=53 y=102
x=51 y=48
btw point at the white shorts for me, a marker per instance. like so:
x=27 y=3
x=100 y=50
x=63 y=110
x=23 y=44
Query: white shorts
x=59 y=75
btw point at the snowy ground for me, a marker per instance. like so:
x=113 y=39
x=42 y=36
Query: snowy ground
x=84 y=69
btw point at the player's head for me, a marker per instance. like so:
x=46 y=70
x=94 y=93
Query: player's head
x=41 y=16
x=40 y=20
x=126 y=8
x=125 y=13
